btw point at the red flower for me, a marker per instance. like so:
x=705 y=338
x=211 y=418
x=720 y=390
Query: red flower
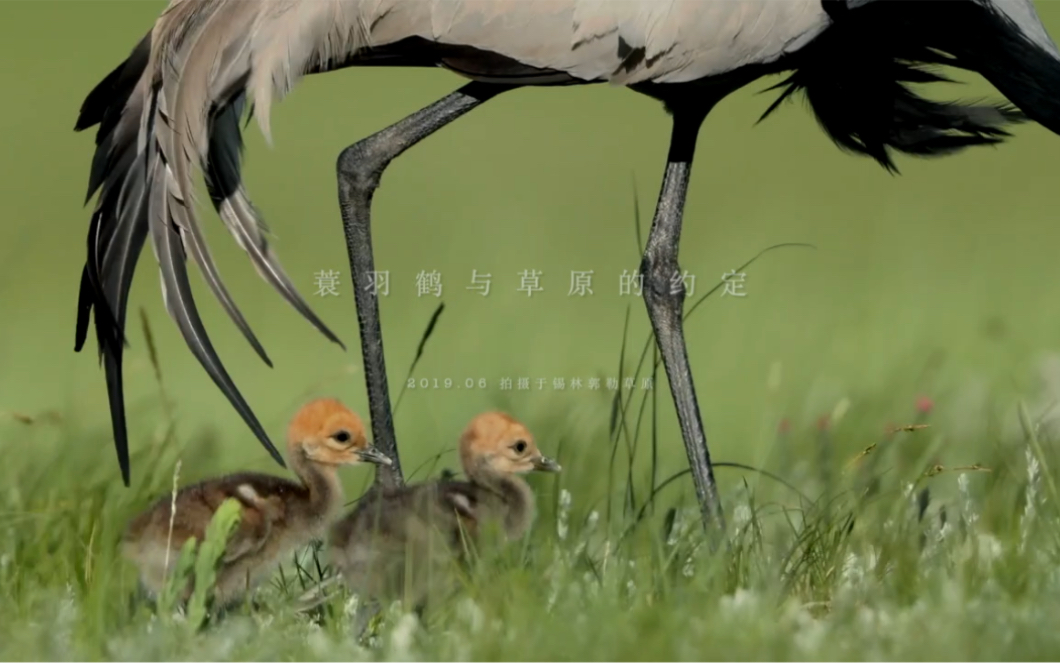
x=924 y=404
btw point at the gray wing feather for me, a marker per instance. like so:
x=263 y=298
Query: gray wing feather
x=208 y=98
x=180 y=201
x=196 y=243
x=224 y=182
x=168 y=239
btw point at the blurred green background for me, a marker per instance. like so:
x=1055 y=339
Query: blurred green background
x=950 y=265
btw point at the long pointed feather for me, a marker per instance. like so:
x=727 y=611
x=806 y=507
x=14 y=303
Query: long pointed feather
x=116 y=289
x=223 y=179
x=117 y=230
x=112 y=365
x=196 y=243
x=180 y=303
x=105 y=222
x=116 y=266
x=85 y=298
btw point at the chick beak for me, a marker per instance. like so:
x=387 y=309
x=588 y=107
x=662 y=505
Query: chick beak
x=374 y=455
x=546 y=464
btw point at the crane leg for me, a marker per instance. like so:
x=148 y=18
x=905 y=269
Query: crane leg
x=360 y=167
x=664 y=294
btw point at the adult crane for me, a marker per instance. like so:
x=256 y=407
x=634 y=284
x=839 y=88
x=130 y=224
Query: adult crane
x=175 y=104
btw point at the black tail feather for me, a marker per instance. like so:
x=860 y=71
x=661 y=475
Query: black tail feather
x=1024 y=68
x=117 y=232
x=856 y=77
x=105 y=101
x=85 y=300
x=104 y=106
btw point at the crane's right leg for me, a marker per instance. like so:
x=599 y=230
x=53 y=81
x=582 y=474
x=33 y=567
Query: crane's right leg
x=664 y=294
x=360 y=167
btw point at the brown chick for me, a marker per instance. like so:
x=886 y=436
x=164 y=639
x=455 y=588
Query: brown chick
x=396 y=540
x=278 y=515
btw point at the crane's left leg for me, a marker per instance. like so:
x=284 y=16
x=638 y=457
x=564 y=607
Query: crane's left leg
x=360 y=167
x=664 y=293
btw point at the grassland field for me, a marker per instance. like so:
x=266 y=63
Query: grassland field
x=927 y=298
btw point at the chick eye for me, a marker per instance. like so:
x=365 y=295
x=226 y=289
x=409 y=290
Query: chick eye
x=342 y=436
x=519 y=447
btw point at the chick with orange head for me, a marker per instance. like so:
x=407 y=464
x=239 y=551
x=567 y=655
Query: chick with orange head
x=396 y=541
x=278 y=515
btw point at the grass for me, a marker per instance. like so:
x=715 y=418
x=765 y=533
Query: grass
x=860 y=544
x=931 y=564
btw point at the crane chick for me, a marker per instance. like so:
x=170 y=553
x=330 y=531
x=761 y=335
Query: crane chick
x=396 y=542
x=278 y=515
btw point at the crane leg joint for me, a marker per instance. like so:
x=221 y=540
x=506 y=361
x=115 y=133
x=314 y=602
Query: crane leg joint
x=662 y=280
x=361 y=165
